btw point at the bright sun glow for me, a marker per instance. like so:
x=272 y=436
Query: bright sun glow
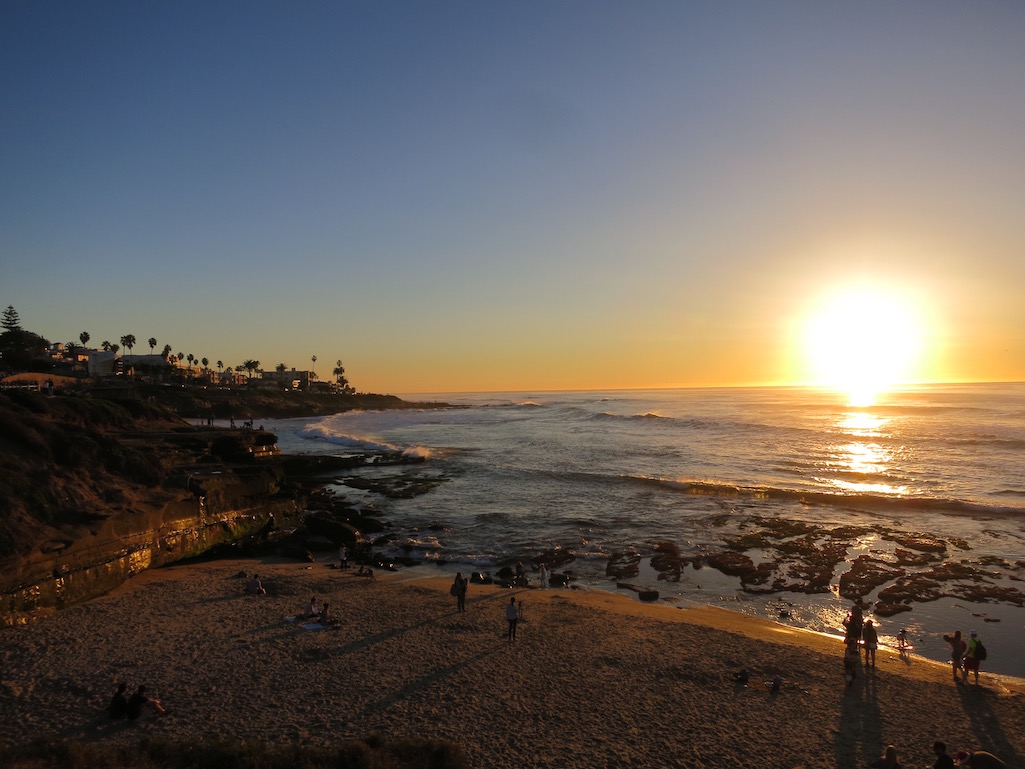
x=862 y=341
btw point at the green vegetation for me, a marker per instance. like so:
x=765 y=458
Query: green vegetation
x=372 y=752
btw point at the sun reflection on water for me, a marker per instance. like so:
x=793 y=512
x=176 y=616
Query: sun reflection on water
x=865 y=461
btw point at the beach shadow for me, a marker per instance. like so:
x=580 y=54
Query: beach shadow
x=423 y=682
x=977 y=702
x=859 y=735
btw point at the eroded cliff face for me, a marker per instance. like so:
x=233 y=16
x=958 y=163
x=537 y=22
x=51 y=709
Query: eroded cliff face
x=92 y=493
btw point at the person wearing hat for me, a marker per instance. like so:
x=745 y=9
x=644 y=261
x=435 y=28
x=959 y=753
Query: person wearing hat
x=971 y=662
x=980 y=759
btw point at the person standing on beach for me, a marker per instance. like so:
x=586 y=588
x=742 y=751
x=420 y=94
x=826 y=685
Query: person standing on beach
x=512 y=614
x=972 y=656
x=459 y=591
x=343 y=557
x=542 y=574
x=957 y=650
x=853 y=624
x=870 y=638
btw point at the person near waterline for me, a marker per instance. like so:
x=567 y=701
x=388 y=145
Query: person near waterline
x=957 y=650
x=870 y=640
x=972 y=658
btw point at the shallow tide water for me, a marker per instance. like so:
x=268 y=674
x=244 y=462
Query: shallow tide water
x=604 y=475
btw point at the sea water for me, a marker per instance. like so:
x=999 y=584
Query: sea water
x=600 y=474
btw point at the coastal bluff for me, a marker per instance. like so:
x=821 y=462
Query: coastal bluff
x=94 y=490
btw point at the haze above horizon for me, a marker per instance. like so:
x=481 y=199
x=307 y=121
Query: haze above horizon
x=457 y=197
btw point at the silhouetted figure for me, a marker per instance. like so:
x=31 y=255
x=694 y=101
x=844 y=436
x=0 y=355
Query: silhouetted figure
x=118 y=707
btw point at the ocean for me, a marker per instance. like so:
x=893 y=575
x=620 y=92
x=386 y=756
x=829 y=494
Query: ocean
x=928 y=484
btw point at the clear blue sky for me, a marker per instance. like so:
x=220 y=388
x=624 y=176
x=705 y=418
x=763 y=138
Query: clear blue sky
x=464 y=195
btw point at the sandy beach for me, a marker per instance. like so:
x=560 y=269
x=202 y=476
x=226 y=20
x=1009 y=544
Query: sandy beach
x=593 y=679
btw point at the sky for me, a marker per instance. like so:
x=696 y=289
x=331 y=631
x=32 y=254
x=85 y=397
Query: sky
x=466 y=196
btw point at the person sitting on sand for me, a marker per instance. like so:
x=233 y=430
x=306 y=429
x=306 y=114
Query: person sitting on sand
x=118 y=707
x=314 y=611
x=980 y=759
x=255 y=587
x=888 y=760
x=943 y=759
x=140 y=705
x=870 y=639
x=325 y=619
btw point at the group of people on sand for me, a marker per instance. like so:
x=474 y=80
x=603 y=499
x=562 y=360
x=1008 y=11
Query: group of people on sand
x=979 y=759
x=512 y=609
x=139 y=705
x=965 y=656
x=859 y=634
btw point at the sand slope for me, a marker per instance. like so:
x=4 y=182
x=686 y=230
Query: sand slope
x=594 y=680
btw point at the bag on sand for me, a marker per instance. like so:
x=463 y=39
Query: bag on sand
x=980 y=651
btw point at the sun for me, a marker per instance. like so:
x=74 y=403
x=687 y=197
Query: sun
x=862 y=340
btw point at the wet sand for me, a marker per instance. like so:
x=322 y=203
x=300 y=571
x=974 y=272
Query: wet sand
x=594 y=679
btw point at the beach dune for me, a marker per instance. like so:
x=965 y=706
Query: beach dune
x=592 y=680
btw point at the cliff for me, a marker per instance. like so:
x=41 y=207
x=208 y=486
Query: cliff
x=94 y=490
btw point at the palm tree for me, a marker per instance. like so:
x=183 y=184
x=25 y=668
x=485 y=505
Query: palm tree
x=250 y=365
x=84 y=338
x=105 y=346
x=313 y=373
x=152 y=344
x=205 y=362
x=167 y=351
x=339 y=372
x=114 y=348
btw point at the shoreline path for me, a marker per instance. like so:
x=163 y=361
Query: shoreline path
x=593 y=680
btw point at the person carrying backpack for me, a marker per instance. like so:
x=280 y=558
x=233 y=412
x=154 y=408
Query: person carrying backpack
x=975 y=654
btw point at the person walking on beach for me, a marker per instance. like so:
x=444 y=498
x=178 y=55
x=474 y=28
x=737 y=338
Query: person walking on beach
x=459 y=591
x=853 y=624
x=973 y=656
x=957 y=650
x=870 y=639
x=512 y=614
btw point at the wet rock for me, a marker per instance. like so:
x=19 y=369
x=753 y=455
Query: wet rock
x=623 y=565
x=865 y=575
x=667 y=561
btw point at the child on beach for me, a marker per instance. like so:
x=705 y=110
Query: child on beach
x=902 y=639
x=314 y=611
